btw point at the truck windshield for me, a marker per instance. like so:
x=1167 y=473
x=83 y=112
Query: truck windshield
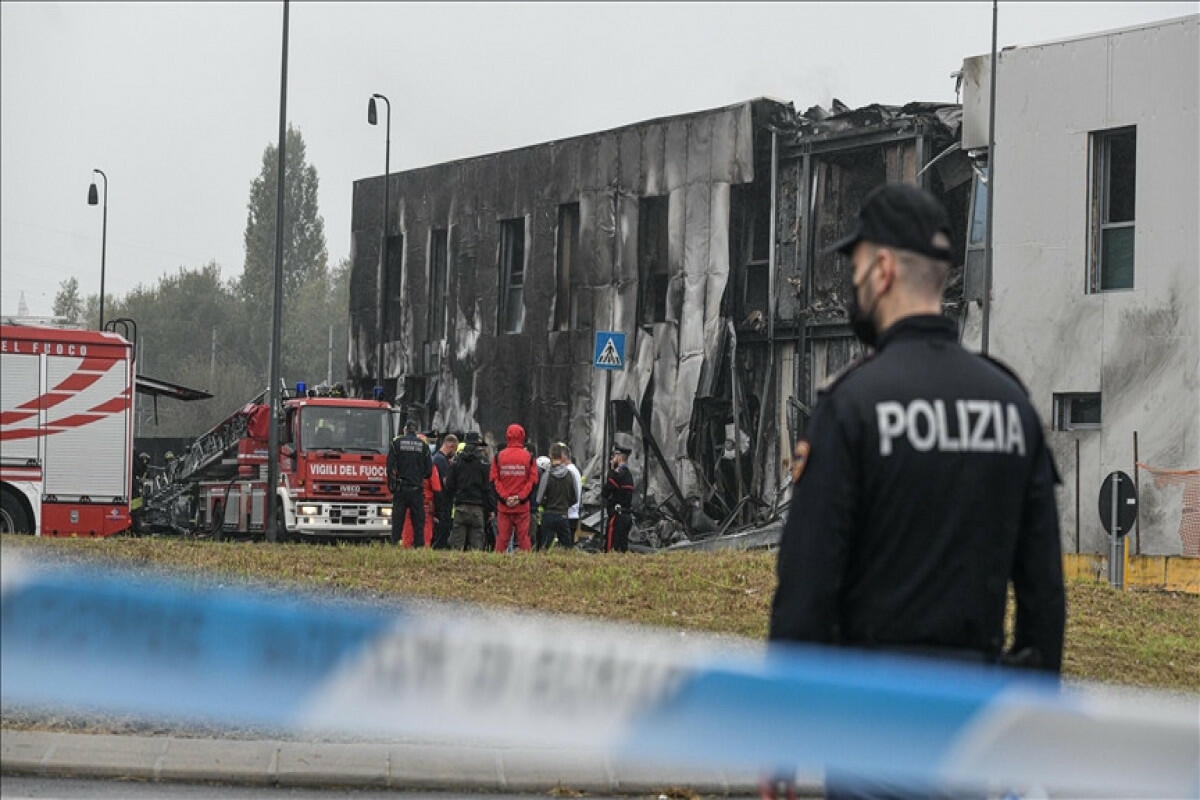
x=358 y=430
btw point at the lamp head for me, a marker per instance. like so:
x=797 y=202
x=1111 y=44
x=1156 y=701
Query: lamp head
x=93 y=195
x=371 y=115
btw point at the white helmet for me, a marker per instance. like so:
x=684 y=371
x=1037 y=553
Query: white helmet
x=543 y=462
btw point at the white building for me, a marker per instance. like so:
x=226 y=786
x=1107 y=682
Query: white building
x=1096 y=283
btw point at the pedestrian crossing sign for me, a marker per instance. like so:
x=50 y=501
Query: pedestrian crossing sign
x=610 y=350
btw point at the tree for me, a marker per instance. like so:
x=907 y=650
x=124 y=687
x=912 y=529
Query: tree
x=68 y=303
x=320 y=304
x=304 y=253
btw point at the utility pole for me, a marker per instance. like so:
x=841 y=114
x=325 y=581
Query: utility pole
x=991 y=192
x=273 y=396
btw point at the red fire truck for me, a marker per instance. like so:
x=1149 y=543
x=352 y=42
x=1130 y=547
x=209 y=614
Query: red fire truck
x=332 y=469
x=66 y=413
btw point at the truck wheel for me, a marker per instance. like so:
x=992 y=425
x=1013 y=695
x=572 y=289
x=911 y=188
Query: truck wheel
x=217 y=526
x=282 y=536
x=14 y=517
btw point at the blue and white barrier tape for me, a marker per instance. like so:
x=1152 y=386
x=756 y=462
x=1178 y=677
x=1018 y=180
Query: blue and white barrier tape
x=81 y=639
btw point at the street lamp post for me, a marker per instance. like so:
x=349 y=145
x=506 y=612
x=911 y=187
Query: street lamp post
x=381 y=273
x=93 y=200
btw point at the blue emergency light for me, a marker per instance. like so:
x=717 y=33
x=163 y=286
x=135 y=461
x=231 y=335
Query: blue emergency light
x=378 y=390
x=301 y=389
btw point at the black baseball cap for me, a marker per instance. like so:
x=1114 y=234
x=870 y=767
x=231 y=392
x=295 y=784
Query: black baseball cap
x=411 y=426
x=899 y=215
x=622 y=450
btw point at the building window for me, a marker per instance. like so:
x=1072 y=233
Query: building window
x=567 y=256
x=750 y=236
x=1077 y=411
x=512 y=275
x=653 y=270
x=976 y=256
x=1114 y=179
x=436 y=322
x=393 y=281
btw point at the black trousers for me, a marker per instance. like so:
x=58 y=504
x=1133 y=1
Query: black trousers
x=411 y=500
x=442 y=523
x=619 y=525
x=554 y=528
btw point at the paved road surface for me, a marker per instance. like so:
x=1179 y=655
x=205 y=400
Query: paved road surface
x=16 y=787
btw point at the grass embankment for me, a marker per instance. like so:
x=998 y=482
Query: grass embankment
x=1142 y=638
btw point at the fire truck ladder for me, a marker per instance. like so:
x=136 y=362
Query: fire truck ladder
x=212 y=446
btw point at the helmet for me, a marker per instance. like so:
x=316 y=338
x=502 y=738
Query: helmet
x=169 y=456
x=543 y=462
x=143 y=456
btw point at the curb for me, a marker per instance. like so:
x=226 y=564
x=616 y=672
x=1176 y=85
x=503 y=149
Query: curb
x=393 y=765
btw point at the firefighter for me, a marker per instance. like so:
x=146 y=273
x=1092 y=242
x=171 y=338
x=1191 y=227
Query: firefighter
x=408 y=465
x=139 y=472
x=514 y=475
x=618 y=498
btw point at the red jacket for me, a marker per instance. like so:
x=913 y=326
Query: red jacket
x=514 y=472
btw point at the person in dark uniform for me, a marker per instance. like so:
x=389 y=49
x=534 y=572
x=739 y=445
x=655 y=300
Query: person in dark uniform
x=469 y=488
x=408 y=465
x=618 y=498
x=441 y=500
x=923 y=486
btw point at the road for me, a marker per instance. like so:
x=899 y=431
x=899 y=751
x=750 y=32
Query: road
x=18 y=787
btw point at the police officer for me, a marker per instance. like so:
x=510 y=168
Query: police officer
x=408 y=465
x=618 y=498
x=923 y=486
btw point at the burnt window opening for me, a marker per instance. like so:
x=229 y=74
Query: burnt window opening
x=436 y=321
x=393 y=278
x=1111 y=209
x=975 y=256
x=566 y=309
x=653 y=269
x=840 y=183
x=512 y=276
x=622 y=416
x=750 y=241
x=1075 y=411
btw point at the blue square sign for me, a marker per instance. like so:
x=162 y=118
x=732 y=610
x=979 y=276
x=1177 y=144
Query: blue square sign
x=610 y=350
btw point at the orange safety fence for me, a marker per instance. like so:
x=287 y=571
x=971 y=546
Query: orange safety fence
x=1189 y=519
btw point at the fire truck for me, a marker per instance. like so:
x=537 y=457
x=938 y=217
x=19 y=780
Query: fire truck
x=66 y=413
x=332 y=469
x=66 y=435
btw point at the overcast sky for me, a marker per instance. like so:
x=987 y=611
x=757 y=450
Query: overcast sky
x=176 y=101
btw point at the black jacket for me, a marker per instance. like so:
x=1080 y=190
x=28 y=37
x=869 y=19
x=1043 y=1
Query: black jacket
x=441 y=500
x=618 y=488
x=927 y=489
x=408 y=463
x=468 y=481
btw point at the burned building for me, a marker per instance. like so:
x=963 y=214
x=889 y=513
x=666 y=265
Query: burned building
x=699 y=236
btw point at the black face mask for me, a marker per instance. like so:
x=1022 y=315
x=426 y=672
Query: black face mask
x=860 y=319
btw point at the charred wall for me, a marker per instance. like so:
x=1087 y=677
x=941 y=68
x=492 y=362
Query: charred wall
x=466 y=372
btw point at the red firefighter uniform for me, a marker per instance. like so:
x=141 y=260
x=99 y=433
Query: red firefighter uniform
x=514 y=474
x=430 y=486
